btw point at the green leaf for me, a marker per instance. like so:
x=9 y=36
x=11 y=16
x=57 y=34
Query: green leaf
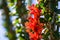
x=21 y=38
x=10 y=4
x=41 y=5
x=49 y=18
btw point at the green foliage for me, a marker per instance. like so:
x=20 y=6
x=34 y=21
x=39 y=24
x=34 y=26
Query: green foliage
x=20 y=11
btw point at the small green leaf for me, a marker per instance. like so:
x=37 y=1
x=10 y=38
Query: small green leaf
x=21 y=38
x=49 y=18
x=41 y=5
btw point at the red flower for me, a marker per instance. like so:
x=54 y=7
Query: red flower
x=33 y=36
x=33 y=26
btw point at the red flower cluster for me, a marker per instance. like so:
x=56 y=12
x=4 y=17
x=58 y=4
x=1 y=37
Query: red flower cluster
x=33 y=26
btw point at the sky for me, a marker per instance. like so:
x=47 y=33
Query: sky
x=2 y=29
